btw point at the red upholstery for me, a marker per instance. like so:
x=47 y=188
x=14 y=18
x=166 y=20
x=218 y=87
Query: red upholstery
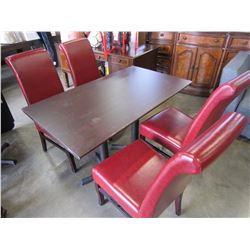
x=168 y=128
x=144 y=183
x=173 y=129
x=36 y=74
x=81 y=60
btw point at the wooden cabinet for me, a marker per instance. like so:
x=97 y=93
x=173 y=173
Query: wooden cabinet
x=197 y=57
x=206 y=67
x=144 y=56
x=184 y=60
x=236 y=42
x=165 y=42
x=117 y=62
x=200 y=65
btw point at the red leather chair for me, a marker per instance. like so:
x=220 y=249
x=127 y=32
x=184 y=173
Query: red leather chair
x=173 y=129
x=144 y=183
x=81 y=60
x=38 y=80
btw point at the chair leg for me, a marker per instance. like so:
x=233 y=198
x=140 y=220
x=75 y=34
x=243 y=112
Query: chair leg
x=43 y=141
x=66 y=77
x=71 y=161
x=4 y=146
x=3 y=212
x=178 y=204
x=101 y=198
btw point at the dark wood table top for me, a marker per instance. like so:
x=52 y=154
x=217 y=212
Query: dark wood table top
x=84 y=117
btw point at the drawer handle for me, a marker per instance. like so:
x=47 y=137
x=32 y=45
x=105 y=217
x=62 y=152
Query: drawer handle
x=184 y=38
x=120 y=60
x=162 y=34
x=216 y=40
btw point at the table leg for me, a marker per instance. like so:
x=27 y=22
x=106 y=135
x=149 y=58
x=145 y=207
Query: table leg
x=104 y=153
x=135 y=131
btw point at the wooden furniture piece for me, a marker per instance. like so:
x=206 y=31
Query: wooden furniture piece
x=81 y=60
x=144 y=56
x=38 y=80
x=165 y=41
x=85 y=117
x=197 y=56
x=143 y=183
x=236 y=42
x=173 y=129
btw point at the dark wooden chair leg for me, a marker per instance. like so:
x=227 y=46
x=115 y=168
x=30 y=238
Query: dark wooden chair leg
x=3 y=212
x=101 y=198
x=71 y=161
x=178 y=204
x=66 y=77
x=43 y=141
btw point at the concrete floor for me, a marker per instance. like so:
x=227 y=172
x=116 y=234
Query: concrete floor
x=42 y=184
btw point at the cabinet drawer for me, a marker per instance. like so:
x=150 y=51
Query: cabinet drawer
x=163 y=62
x=162 y=35
x=165 y=49
x=240 y=43
x=201 y=40
x=100 y=57
x=119 y=60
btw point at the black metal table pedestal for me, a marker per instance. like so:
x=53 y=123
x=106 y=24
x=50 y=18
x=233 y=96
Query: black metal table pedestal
x=104 y=153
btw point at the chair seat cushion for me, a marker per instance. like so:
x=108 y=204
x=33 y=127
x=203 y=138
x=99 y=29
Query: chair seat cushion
x=127 y=175
x=167 y=128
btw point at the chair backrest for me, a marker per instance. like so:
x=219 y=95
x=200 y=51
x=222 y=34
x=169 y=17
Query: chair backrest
x=35 y=74
x=192 y=159
x=81 y=60
x=216 y=104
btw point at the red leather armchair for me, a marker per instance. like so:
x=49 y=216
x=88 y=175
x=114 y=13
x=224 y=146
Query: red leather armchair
x=38 y=80
x=81 y=60
x=143 y=183
x=173 y=129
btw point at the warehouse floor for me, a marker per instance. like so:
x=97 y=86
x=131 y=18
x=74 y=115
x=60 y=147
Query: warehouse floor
x=42 y=184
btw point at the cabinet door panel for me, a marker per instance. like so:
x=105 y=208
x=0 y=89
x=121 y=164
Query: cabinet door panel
x=184 y=61
x=206 y=66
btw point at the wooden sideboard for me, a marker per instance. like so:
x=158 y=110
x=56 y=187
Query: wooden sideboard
x=197 y=56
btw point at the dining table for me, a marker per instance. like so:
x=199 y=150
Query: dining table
x=86 y=117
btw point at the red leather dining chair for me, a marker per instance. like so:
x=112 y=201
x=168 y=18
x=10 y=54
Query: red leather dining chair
x=143 y=183
x=38 y=80
x=173 y=129
x=81 y=60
